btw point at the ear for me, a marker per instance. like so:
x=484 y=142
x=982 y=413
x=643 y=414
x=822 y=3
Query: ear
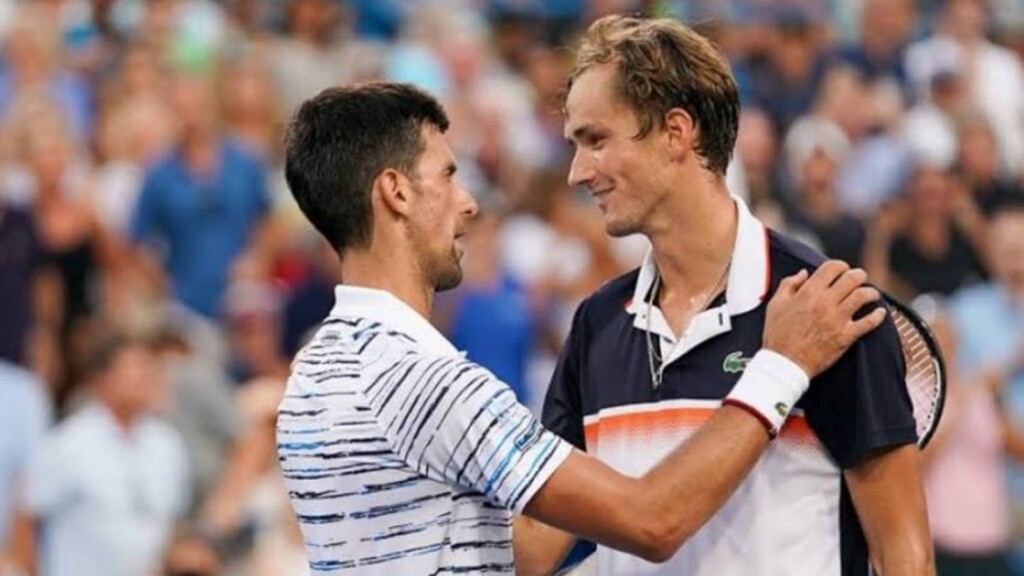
x=394 y=191
x=682 y=132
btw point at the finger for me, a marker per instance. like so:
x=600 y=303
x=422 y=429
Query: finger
x=846 y=284
x=858 y=299
x=790 y=284
x=825 y=275
x=859 y=328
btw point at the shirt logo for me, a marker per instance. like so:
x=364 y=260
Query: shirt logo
x=734 y=363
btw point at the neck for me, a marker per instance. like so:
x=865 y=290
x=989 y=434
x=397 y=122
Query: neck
x=393 y=271
x=123 y=417
x=693 y=239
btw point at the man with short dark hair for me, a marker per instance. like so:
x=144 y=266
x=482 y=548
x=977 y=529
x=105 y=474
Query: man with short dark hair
x=401 y=456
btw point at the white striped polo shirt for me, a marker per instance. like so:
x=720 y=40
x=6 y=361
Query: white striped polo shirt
x=400 y=456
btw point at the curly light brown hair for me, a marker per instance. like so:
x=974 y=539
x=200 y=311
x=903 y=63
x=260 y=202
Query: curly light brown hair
x=663 y=64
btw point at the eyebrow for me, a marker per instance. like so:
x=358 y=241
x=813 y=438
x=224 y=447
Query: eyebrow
x=584 y=132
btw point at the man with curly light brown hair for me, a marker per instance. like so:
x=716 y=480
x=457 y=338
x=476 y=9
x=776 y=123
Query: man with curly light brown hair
x=652 y=111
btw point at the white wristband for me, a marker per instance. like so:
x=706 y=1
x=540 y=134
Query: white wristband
x=770 y=386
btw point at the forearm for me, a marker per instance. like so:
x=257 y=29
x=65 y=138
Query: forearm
x=684 y=490
x=538 y=548
x=23 y=542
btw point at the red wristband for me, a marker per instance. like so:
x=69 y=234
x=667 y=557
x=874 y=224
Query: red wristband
x=772 y=431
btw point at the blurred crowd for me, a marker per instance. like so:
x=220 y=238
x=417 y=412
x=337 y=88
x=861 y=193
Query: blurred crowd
x=156 y=276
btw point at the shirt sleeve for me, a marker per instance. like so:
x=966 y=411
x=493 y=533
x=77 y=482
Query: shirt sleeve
x=455 y=422
x=563 y=405
x=49 y=479
x=861 y=405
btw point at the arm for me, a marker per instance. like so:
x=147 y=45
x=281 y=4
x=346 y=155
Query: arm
x=652 y=516
x=887 y=493
x=23 y=542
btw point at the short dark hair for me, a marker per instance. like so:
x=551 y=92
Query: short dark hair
x=663 y=64
x=107 y=347
x=339 y=142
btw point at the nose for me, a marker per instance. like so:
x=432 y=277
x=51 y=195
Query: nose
x=469 y=205
x=581 y=172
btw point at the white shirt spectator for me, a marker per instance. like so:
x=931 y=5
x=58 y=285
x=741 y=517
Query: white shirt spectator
x=24 y=417
x=107 y=497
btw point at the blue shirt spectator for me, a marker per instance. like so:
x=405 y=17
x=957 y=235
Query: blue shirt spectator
x=205 y=223
x=24 y=417
x=495 y=327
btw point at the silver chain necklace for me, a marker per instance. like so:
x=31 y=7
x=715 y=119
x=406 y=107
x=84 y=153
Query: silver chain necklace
x=658 y=369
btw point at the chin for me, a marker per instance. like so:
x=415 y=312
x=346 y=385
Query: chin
x=619 y=228
x=449 y=277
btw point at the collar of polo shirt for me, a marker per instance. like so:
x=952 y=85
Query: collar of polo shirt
x=746 y=288
x=386 y=308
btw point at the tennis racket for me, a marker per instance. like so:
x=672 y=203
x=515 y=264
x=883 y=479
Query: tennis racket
x=926 y=372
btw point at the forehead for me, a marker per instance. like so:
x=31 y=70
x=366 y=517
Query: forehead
x=435 y=147
x=592 y=101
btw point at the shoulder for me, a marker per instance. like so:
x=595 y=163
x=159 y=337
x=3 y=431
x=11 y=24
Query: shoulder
x=787 y=256
x=240 y=157
x=609 y=300
x=161 y=436
x=163 y=168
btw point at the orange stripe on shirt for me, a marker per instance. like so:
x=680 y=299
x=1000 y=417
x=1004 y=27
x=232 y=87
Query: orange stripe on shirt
x=669 y=420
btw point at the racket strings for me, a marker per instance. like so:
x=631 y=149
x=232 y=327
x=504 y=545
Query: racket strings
x=922 y=375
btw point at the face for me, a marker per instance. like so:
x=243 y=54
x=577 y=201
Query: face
x=930 y=193
x=440 y=213
x=1007 y=245
x=133 y=384
x=195 y=104
x=621 y=172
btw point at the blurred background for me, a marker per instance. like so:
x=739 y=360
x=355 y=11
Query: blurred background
x=156 y=276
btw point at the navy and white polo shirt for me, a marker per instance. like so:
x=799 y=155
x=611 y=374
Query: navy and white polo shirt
x=793 y=515
x=400 y=456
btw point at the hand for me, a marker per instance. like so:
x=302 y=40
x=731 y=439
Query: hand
x=810 y=320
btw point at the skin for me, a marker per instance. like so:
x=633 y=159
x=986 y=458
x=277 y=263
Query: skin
x=692 y=231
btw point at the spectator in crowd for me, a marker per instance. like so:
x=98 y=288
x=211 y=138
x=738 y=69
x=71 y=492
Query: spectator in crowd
x=978 y=165
x=815 y=149
x=930 y=127
x=965 y=463
x=24 y=419
x=994 y=76
x=106 y=486
x=489 y=315
x=206 y=201
x=989 y=319
x=930 y=241
x=885 y=30
x=30 y=300
x=786 y=84
x=32 y=53
x=315 y=54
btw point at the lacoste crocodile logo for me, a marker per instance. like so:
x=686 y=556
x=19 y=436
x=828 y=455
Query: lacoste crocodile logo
x=734 y=363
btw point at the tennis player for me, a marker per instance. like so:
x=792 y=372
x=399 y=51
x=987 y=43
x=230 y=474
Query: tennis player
x=402 y=457
x=652 y=110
